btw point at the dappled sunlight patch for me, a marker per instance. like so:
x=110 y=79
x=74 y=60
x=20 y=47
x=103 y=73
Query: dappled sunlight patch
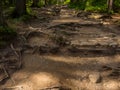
x=36 y=81
x=21 y=75
x=43 y=80
x=67 y=59
x=66 y=20
x=111 y=85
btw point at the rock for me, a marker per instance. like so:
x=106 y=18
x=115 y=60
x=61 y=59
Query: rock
x=95 y=78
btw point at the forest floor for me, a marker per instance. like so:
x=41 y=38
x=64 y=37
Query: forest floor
x=66 y=50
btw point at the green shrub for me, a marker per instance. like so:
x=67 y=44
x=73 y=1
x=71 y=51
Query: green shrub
x=94 y=5
x=4 y=30
x=78 y=5
x=25 y=18
x=7 y=34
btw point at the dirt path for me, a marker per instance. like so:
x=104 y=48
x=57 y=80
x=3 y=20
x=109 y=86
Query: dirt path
x=65 y=52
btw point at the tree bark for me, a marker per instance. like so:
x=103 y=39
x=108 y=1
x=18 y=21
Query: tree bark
x=11 y=2
x=110 y=5
x=20 y=8
x=71 y=1
x=35 y=3
x=2 y=21
x=45 y=2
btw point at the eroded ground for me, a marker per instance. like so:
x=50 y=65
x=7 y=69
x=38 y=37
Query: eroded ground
x=64 y=50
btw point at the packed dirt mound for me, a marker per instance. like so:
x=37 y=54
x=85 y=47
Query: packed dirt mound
x=64 y=52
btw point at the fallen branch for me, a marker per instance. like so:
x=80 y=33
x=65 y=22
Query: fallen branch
x=20 y=60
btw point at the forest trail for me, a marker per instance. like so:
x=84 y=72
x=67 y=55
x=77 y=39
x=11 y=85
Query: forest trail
x=66 y=52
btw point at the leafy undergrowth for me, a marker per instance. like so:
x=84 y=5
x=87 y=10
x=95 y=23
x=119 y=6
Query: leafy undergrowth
x=6 y=35
x=23 y=18
x=94 y=5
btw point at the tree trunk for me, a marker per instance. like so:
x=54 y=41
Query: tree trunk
x=45 y=2
x=35 y=3
x=71 y=1
x=110 y=5
x=20 y=7
x=2 y=21
x=11 y=2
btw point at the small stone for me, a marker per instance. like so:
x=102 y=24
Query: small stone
x=95 y=78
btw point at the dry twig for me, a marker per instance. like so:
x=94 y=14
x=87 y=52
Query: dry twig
x=12 y=47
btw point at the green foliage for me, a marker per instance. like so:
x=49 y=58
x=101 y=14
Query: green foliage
x=93 y=5
x=6 y=35
x=66 y=1
x=117 y=3
x=8 y=11
x=25 y=17
x=78 y=5
x=41 y=3
x=3 y=43
x=29 y=3
x=117 y=6
x=30 y=12
x=4 y=30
